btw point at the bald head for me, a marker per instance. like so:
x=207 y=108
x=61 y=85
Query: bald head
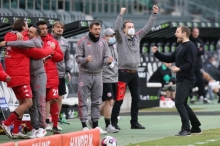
x=32 y=33
x=195 y=32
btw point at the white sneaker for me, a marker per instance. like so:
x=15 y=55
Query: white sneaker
x=33 y=133
x=205 y=100
x=101 y=131
x=19 y=135
x=7 y=130
x=111 y=129
x=89 y=123
x=85 y=129
x=41 y=133
x=59 y=128
x=48 y=127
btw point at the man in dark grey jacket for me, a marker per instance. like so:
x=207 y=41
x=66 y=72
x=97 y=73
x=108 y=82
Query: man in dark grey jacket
x=92 y=53
x=63 y=67
x=128 y=44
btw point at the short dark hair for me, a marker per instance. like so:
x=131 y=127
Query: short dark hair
x=41 y=22
x=18 y=25
x=186 y=30
x=58 y=22
x=94 y=23
x=127 y=21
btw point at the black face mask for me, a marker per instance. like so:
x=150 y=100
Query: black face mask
x=93 y=38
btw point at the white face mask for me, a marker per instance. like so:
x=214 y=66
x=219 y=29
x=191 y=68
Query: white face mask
x=131 y=31
x=215 y=63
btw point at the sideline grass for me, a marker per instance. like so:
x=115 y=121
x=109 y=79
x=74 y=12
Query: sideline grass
x=158 y=109
x=207 y=138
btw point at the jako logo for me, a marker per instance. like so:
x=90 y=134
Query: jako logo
x=43 y=143
x=83 y=140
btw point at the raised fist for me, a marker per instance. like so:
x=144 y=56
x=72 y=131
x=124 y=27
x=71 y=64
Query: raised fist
x=122 y=11
x=155 y=9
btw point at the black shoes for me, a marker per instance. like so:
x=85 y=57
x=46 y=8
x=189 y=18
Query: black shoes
x=196 y=130
x=137 y=126
x=184 y=133
x=116 y=126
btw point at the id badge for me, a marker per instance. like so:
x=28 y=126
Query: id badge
x=112 y=64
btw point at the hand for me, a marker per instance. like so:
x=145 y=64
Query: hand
x=175 y=69
x=3 y=43
x=8 y=79
x=170 y=83
x=154 y=49
x=19 y=36
x=69 y=77
x=200 y=49
x=52 y=45
x=110 y=59
x=122 y=11
x=89 y=58
x=155 y=9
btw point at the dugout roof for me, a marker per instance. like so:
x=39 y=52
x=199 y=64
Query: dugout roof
x=167 y=30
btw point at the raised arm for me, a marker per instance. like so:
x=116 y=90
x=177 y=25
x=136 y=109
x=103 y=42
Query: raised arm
x=118 y=23
x=141 y=33
x=165 y=58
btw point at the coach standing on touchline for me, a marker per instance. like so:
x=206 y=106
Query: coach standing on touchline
x=185 y=59
x=128 y=44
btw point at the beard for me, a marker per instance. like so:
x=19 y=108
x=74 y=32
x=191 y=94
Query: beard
x=179 y=40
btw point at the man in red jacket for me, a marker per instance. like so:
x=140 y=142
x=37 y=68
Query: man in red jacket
x=17 y=64
x=52 y=75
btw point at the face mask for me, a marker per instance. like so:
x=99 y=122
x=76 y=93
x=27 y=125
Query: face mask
x=131 y=31
x=111 y=41
x=215 y=63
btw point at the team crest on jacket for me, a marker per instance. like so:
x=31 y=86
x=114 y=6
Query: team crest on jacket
x=81 y=84
x=100 y=44
x=49 y=42
x=88 y=44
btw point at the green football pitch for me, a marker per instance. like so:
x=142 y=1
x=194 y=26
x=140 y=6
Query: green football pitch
x=161 y=126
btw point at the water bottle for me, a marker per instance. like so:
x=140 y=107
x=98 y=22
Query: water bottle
x=70 y=113
x=66 y=78
x=64 y=117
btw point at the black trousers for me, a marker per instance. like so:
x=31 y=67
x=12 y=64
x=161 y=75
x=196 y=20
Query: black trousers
x=182 y=90
x=132 y=81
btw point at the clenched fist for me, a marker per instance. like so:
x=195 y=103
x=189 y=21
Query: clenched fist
x=175 y=69
x=89 y=58
x=8 y=79
x=155 y=9
x=154 y=49
x=122 y=11
x=110 y=59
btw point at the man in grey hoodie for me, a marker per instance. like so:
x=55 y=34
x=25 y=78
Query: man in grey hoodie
x=63 y=67
x=92 y=52
x=128 y=44
x=38 y=80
